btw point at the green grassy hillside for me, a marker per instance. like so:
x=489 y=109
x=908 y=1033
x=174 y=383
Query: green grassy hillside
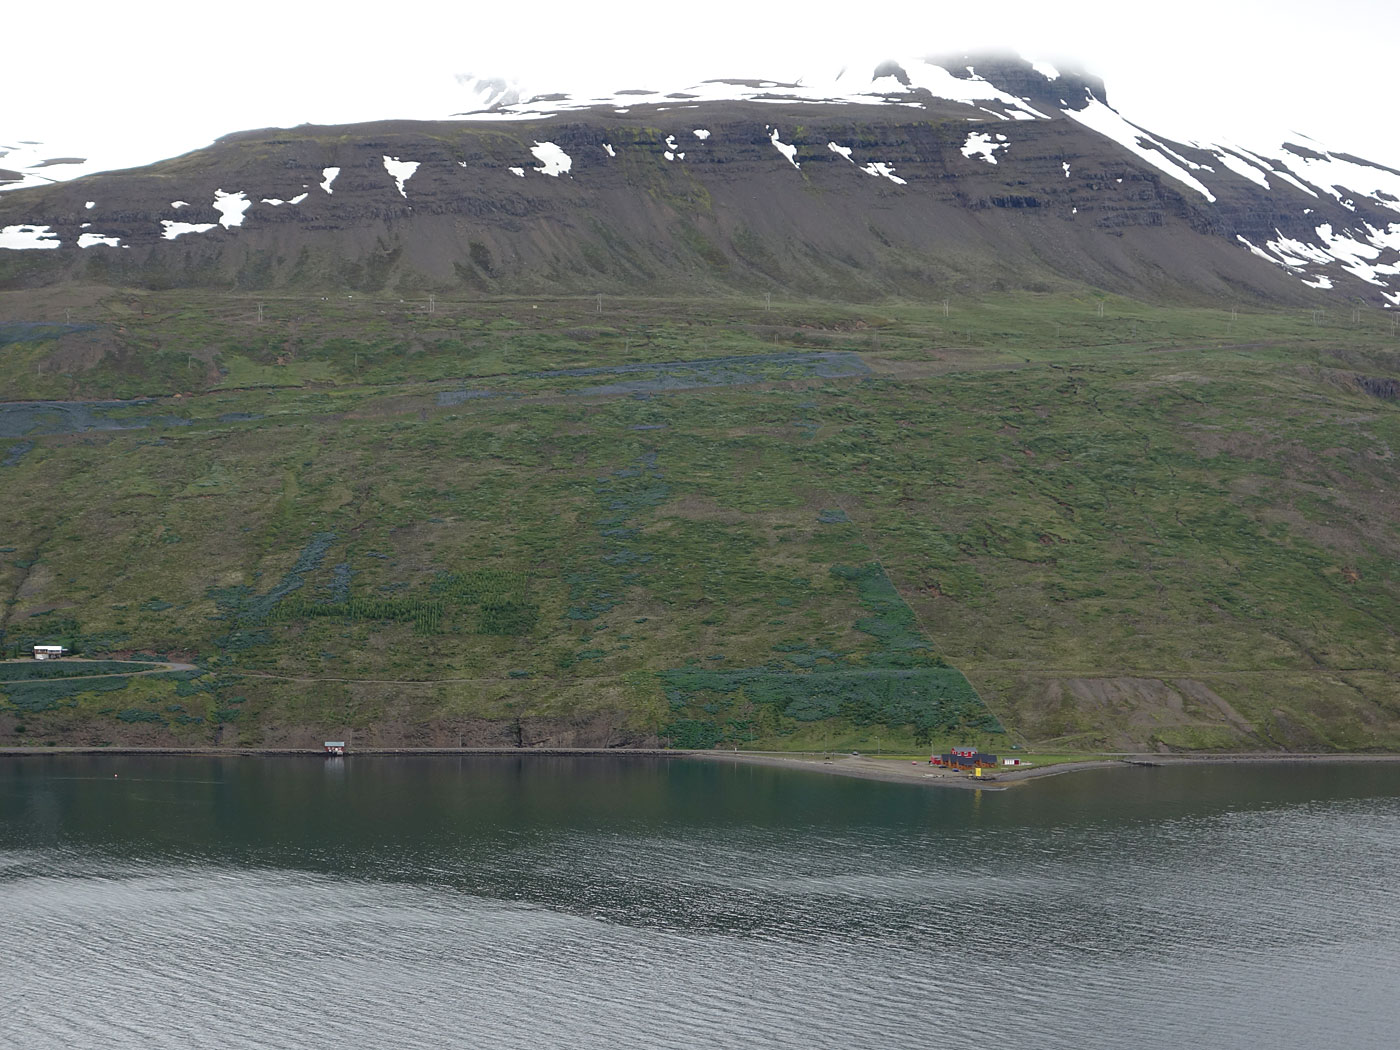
x=1068 y=522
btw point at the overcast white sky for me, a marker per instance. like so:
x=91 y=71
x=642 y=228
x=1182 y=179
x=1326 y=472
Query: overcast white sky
x=158 y=78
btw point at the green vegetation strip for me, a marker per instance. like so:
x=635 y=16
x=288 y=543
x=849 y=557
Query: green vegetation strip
x=1017 y=484
x=39 y=669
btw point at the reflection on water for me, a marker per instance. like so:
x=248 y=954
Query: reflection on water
x=653 y=902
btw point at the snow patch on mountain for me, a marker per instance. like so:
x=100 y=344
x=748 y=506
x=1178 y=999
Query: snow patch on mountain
x=1274 y=169
x=1353 y=251
x=553 y=160
x=1242 y=167
x=1360 y=256
x=881 y=169
x=1342 y=176
x=972 y=89
x=231 y=206
x=29 y=164
x=22 y=237
x=328 y=176
x=1296 y=254
x=232 y=209
x=786 y=149
x=1110 y=123
x=402 y=171
x=899 y=83
x=984 y=144
x=170 y=229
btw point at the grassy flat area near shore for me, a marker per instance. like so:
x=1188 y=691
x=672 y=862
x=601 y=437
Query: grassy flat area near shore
x=704 y=522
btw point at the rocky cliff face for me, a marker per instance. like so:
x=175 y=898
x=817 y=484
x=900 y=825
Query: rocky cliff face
x=923 y=177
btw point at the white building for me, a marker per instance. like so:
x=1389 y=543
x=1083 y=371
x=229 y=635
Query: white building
x=48 y=652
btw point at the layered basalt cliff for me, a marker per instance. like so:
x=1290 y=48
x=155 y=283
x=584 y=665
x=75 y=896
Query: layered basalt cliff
x=1028 y=181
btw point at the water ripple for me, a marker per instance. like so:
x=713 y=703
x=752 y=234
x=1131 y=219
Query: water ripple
x=513 y=915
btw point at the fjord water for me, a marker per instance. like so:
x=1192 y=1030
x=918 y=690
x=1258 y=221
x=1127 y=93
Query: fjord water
x=598 y=902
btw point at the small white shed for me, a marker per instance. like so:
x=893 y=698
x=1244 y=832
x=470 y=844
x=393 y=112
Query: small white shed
x=48 y=652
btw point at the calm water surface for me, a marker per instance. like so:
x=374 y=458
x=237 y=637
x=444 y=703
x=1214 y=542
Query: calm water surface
x=494 y=902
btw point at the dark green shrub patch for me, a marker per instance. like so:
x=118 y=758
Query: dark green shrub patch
x=925 y=700
x=139 y=714
x=902 y=641
x=47 y=694
x=45 y=669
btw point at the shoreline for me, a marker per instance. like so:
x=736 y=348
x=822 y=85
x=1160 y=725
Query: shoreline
x=861 y=767
x=907 y=771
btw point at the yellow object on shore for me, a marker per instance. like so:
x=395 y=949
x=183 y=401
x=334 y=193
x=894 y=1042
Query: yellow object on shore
x=977 y=772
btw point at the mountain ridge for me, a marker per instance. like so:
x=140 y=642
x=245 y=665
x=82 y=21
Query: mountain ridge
x=1010 y=158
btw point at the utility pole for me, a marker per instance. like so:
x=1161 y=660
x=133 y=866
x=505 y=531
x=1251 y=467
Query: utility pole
x=945 y=307
x=600 y=302
x=767 y=301
x=260 y=312
x=432 y=304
